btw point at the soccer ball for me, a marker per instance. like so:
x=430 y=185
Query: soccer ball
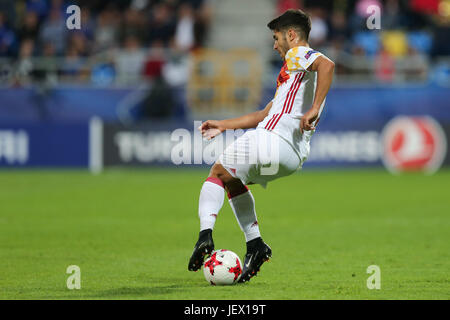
x=223 y=267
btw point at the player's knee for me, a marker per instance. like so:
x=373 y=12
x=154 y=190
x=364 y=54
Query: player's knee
x=219 y=172
x=235 y=187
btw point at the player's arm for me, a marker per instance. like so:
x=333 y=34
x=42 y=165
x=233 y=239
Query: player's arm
x=325 y=69
x=212 y=128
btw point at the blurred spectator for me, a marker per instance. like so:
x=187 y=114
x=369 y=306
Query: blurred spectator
x=338 y=29
x=58 y=5
x=283 y=5
x=133 y=24
x=162 y=24
x=425 y=6
x=155 y=61
x=30 y=27
x=106 y=31
x=160 y=102
x=129 y=61
x=25 y=63
x=54 y=30
x=72 y=65
x=47 y=69
x=184 y=34
x=384 y=66
x=441 y=44
x=7 y=38
x=415 y=65
x=176 y=68
x=79 y=42
x=87 y=24
x=392 y=16
x=319 y=28
x=139 y=4
x=203 y=16
x=40 y=7
x=8 y=9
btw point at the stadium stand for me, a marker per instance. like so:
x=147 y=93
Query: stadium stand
x=135 y=43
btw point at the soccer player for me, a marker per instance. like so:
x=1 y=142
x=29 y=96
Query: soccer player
x=283 y=128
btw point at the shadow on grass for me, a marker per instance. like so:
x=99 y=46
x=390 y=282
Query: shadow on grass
x=150 y=291
x=179 y=291
x=142 y=291
x=142 y=286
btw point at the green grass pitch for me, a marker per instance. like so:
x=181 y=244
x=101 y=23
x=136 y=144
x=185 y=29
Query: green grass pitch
x=132 y=231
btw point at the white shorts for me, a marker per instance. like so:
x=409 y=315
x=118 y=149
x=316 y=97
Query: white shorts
x=260 y=156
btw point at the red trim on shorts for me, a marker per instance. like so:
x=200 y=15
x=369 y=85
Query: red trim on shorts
x=215 y=181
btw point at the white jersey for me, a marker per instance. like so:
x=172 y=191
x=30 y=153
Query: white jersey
x=294 y=97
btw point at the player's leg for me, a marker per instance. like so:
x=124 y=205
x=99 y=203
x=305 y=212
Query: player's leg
x=210 y=202
x=243 y=204
x=275 y=159
x=212 y=195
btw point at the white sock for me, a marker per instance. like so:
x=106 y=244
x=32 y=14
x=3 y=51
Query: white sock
x=210 y=202
x=243 y=206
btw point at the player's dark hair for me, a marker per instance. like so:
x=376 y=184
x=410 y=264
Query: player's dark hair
x=292 y=19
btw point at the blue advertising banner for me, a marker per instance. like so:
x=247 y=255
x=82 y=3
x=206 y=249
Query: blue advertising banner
x=44 y=145
x=404 y=142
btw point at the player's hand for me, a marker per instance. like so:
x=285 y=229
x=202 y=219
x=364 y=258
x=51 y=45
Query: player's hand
x=306 y=123
x=211 y=129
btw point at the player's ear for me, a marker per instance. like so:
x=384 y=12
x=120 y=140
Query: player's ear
x=291 y=35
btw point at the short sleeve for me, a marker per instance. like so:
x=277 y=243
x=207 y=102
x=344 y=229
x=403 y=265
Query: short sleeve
x=300 y=58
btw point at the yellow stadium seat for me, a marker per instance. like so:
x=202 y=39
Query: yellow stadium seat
x=395 y=43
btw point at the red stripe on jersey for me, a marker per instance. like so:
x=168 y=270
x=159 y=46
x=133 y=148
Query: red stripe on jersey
x=295 y=94
x=286 y=103
x=275 y=121
x=289 y=98
x=270 y=121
